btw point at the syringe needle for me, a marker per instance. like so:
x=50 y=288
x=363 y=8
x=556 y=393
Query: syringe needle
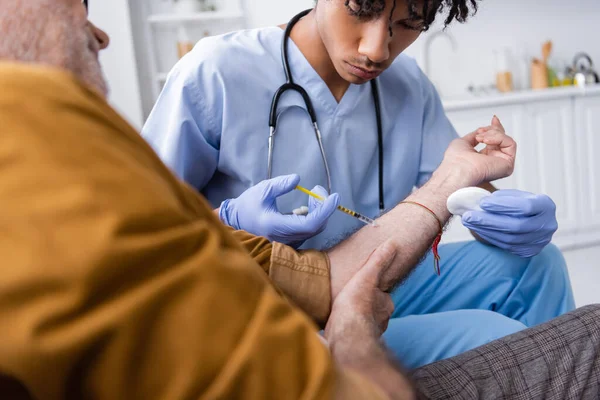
x=360 y=217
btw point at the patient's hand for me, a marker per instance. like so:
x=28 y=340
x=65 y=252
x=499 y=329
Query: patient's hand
x=495 y=161
x=362 y=309
x=359 y=316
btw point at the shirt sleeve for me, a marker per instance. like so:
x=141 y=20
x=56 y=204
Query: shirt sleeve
x=181 y=128
x=437 y=133
x=303 y=277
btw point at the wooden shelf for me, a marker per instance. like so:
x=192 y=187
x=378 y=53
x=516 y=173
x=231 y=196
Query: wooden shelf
x=202 y=16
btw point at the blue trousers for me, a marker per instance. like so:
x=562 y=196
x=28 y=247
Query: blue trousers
x=483 y=294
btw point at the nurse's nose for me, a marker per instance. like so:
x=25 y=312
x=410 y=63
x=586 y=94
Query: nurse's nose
x=375 y=42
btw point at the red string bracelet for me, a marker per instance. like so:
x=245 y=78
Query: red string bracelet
x=438 y=238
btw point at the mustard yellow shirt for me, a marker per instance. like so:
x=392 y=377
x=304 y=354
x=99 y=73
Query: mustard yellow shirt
x=117 y=280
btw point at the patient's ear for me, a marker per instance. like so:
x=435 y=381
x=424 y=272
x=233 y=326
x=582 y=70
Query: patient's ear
x=10 y=388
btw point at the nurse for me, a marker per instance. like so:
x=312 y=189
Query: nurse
x=211 y=126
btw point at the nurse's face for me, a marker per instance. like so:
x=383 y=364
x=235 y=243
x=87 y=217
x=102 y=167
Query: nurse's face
x=361 y=48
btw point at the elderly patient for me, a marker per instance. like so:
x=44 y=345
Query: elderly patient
x=119 y=282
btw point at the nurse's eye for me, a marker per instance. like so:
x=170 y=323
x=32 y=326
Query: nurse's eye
x=412 y=25
x=365 y=9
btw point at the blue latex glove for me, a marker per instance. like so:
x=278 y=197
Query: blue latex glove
x=313 y=203
x=255 y=211
x=520 y=222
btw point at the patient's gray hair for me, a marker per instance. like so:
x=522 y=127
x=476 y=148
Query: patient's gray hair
x=50 y=32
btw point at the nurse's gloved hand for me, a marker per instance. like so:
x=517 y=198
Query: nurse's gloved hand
x=520 y=222
x=313 y=203
x=255 y=211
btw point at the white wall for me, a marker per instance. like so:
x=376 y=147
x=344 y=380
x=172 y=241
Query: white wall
x=118 y=60
x=274 y=12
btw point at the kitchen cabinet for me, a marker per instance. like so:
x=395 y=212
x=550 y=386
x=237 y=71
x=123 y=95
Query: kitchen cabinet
x=557 y=132
x=587 y=122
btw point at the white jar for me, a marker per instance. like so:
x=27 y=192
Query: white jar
x=187 y=6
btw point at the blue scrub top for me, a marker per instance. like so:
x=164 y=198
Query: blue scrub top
x=210 y=126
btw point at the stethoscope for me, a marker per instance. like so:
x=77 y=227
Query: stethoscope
x=290 y=85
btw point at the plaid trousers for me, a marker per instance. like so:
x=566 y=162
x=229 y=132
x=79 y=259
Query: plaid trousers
x=556 y=360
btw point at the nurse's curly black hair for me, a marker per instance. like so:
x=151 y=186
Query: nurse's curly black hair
x=421 y=12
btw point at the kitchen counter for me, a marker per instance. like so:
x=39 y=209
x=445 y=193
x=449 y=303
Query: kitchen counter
x=520 y=97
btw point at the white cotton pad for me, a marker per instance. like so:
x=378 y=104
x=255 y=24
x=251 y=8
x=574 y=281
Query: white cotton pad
x=466 y=199
x=301 y=211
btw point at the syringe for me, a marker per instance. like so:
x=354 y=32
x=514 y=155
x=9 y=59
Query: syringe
x=360 y=217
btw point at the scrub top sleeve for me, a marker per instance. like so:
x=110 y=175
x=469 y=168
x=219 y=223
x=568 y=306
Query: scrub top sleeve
x=437 y=133
x=181 y=129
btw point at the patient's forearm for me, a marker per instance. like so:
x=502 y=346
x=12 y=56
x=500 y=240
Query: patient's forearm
x=412 y=228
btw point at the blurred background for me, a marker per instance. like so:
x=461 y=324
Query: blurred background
x=530 y=63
